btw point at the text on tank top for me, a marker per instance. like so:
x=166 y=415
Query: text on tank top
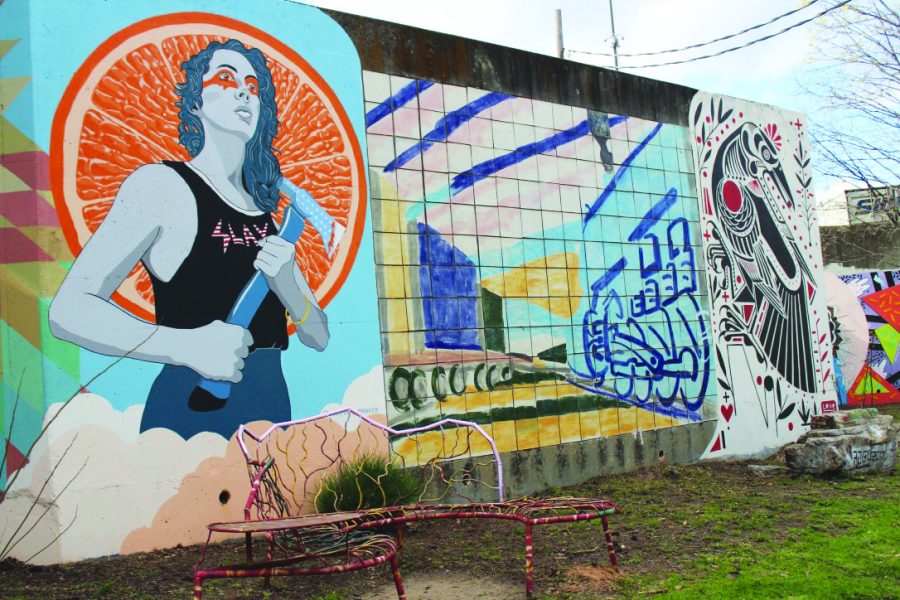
x=218 y=266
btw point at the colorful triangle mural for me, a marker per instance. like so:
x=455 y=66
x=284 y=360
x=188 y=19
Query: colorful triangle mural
x=887 y=304
x=890 y=341
x=871 y=388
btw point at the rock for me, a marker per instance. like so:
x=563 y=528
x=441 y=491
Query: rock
x=861 y=441
x=766 y=470
x=823 y=422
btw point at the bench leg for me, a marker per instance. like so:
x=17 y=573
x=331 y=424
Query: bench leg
x=198 y=586
x=400 y=536
x=610 y=549
x=398 y=580
x=529 y=560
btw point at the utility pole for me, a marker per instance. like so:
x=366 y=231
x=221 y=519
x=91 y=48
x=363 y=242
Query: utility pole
x=615 y=40
x=560 y=49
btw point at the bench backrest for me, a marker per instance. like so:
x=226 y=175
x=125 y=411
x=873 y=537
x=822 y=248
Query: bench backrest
x=454 y=461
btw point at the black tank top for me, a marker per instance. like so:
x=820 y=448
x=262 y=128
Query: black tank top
x=217 y=267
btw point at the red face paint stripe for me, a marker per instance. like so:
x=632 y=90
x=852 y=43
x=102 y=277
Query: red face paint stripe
x=223 y=78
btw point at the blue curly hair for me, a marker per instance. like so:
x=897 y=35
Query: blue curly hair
x=261 y=171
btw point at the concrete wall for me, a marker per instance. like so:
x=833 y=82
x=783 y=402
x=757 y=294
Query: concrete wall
x=594 y=266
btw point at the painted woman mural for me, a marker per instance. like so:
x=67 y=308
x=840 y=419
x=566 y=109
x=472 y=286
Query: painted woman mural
x=201 y=228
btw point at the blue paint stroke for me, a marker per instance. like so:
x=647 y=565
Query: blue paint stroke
x=620 y=172
x=607 y=278
x=407 y=93
x=446 y=126
x=489 y=167
x=653 y=215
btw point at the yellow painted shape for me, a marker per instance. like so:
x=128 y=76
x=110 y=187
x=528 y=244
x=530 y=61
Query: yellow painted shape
x=394 y=281
x=12 y=140
x=527 y=435
x=51 y=241
x=4 y=223
x=555 y=275
x=524 y=394
x=19 y=306
x=395 y=315
x=548 y=392
x=10 y=88
x=478 y=443
x=590 y=424
x=570 y=427
x=8 y=181
x=609 y=422
x=5 y=45
x=386 y=216
x=504 y=435
x=548 y=430
x=388 y=248
x=40 y=279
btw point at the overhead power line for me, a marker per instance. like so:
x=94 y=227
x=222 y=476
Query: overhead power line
x=700 y=45
x=734 y=48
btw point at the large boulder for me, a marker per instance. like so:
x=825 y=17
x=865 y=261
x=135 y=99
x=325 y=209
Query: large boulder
x=855 y=441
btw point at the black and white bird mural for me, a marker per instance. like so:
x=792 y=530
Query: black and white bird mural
x=771 y=280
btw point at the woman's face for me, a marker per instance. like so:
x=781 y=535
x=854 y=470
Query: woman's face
x=230 y=95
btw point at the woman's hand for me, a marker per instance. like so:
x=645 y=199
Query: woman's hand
x=276 y=261
x=216 y=351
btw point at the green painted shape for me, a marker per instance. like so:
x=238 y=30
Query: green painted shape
x=23 y=367
x=869 y=385
x=890 y=340
x=64 y=355
x=492 y=310
x=555 y=354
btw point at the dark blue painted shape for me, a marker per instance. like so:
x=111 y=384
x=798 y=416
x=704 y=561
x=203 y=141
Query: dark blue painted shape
x=653 y=215
x=446 y=126
x=603 y=282
x=407 y=93
x=489 y=167
x=448 y=281
x=620 y=172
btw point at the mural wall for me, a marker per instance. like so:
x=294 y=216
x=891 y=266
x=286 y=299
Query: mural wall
x=183 y=202
x=876 y=375
x=770 y=324
x=539 y=265
x=212 y=215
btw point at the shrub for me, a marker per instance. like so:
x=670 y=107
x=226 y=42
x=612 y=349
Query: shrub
x=369 y=481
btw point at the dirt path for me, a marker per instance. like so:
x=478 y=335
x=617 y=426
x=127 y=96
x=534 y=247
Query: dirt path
x=451 y=586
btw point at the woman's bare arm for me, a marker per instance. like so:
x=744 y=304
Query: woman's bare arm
x=151 y=204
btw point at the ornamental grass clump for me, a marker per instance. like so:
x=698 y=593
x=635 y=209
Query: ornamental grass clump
x=369 y=481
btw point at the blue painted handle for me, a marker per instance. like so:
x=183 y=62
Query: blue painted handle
x=252 y=296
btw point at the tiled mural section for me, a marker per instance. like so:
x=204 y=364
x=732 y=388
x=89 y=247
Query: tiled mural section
x=539 y=267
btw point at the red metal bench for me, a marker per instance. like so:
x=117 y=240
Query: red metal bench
x=460 y=474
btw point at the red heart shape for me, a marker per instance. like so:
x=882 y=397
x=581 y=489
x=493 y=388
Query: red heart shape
x=727 y=411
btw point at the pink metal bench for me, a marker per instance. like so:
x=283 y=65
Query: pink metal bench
x=460 y=474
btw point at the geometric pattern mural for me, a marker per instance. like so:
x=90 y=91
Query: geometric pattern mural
x=879 y=296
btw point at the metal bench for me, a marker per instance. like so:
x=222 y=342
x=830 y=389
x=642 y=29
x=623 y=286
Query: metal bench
x=460 y=476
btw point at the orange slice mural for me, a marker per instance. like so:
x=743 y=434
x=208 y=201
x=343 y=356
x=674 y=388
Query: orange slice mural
x=119 y=113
